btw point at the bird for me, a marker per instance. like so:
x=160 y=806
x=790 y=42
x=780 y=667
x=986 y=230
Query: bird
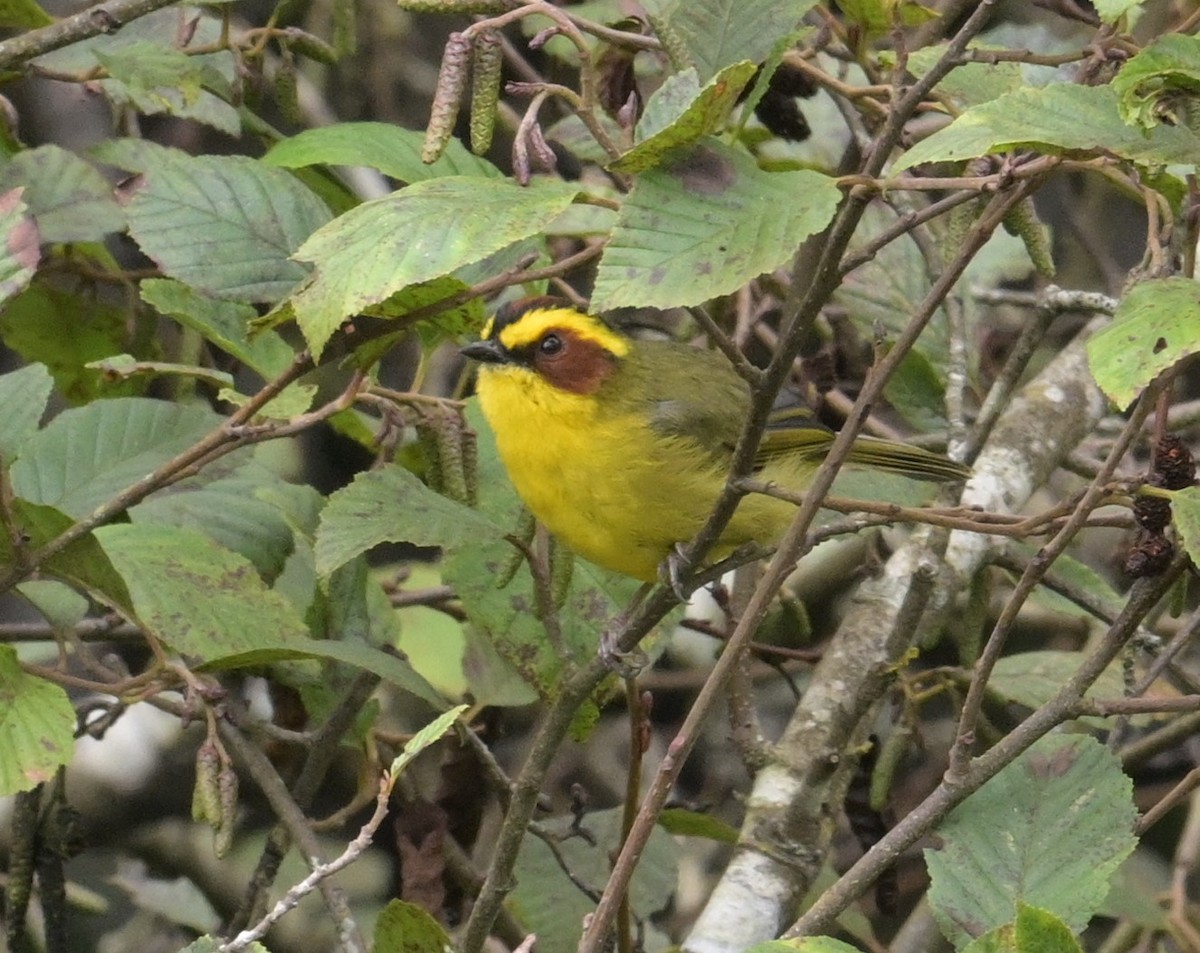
x=620 y=447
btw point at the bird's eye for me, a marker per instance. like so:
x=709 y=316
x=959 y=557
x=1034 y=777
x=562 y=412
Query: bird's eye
x=551 y=344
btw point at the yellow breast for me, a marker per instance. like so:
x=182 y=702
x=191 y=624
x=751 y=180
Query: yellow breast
x=602 y=481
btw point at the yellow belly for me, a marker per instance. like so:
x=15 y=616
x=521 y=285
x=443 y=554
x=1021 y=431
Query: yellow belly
x=606 y=485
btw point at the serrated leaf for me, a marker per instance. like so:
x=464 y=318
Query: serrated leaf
x=225 y=225
x=86 y=455
x=423 y=232
x=680 y=112
x=196 y=597
x=547 y=904
x=37 y=727
x=23 y=14
x=704 y=224
x=22 y=244
x=390 y=149
x=71 y=201
x=1048 y=831
x=1055 y=119
x=23 y=395
x=1185 y=513
x=720 y=32
x=392 y=505
x=407 y=928
x=223 y=323
x=1156 y=325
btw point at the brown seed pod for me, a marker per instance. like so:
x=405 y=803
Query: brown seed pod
x=1173 y=463
x=451 y=84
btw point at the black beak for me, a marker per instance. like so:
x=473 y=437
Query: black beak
x=486 y=352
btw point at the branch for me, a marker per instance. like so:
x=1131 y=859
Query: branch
x=101 y=18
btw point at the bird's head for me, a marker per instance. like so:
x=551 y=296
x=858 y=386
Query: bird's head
x=549 y=338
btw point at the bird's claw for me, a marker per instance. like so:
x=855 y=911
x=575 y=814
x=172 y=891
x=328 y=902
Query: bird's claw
x=625 y=664
x=675 y=570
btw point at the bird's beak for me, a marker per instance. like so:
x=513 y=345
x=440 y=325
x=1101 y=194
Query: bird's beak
x=486 y=352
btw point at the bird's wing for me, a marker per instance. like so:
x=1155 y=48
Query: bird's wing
x=793 y=431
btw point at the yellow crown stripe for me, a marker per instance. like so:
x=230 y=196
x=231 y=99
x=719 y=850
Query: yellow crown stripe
x=529 y=328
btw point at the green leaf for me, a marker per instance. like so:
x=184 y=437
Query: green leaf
x=879 y=16
x=807 y=944
x=66 y=331
x=23 y=14
x=390 y=505
x=163 y=76
x=704 y=224
x=546 y=903
x=1033 y=678
x=431 y=733
x=1111 y=11
x=1034 y=931
x=225 y=225
x=223 y=503
x=1165 y=73
x=22 y=245
x=384 y=664
x=81 y=563
x=379 y=145
x=680 y=112
x=971 y=83
x=208 y=944
x=23 y=395
x=223 y=323
x=85 y=456
x=1156 y=325
x=423 y=232
x=918 y=392
x=37 y=727
x=1049 y=830
x=1185 y=513
x=71 y=201
x=60 y=605
x=407 y=928
x=717 y=33
x=684 y=823
x=1055 y=119
x=196 y=597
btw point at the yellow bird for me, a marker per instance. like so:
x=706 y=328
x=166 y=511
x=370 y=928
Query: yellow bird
x=620 y=447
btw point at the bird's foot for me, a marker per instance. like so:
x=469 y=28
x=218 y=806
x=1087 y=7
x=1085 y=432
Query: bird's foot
x=625 y=664
x=674 y=572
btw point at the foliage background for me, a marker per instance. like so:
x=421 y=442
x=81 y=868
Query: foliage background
x=255 y=537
